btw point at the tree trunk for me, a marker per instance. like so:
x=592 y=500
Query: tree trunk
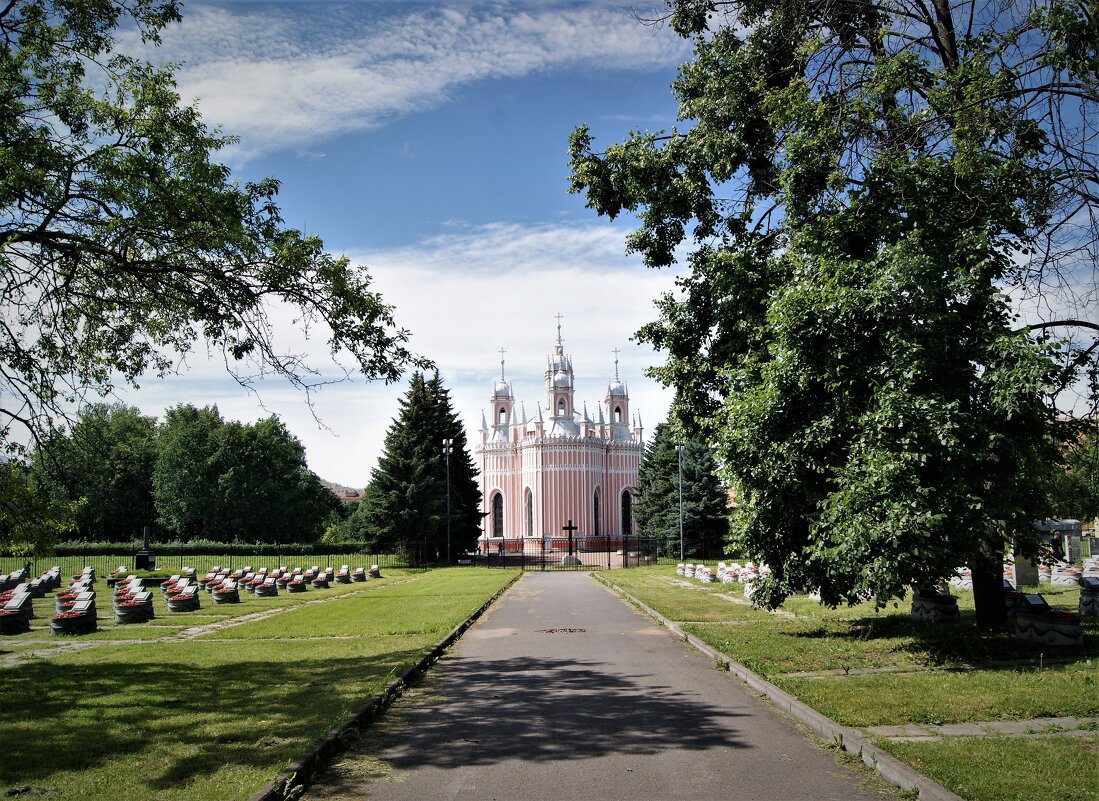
x=988 y=593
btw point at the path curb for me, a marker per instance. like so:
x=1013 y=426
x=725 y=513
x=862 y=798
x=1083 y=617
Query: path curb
x=888 y=767
x=289 y=782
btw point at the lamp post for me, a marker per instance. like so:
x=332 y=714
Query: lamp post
x=448 y=446
x=679 y=450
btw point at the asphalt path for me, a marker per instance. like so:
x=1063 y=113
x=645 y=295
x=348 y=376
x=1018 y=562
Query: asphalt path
x=564 y=691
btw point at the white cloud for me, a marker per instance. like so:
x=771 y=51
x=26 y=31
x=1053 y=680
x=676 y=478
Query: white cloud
x=288 y=76
x=464 y=296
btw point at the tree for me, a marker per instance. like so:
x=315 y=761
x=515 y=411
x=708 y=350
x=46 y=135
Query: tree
x=122 y=243
x=405 y=503
x=265 y=492
x=705 y=503
x=185 y=479
x=108 y=461
x=1076 y=486
x=864 y=184
x=232 y=481
x=30 y=522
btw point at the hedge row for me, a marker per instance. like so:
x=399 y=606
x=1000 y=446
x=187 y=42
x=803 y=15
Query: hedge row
x=205 y=547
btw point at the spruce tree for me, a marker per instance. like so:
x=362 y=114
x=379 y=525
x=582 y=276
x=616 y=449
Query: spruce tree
x=404 y=506
x=705 y=510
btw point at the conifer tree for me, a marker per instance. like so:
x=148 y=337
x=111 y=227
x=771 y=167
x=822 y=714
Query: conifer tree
x=705 y=511
x=405 y=504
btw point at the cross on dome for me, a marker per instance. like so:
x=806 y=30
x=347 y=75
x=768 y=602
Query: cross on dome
x=615 y=351
x=502 y=352
x=558 y=316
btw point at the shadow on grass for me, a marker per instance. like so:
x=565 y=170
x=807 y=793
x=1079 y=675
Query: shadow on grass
x=184 y=721
x=961 y=642
x=542 y=709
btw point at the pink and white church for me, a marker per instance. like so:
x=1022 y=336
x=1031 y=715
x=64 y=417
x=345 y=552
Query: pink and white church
x=539 y=473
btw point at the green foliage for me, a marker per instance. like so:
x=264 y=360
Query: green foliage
x=705 y=503
x=405 y=503
x=861 y=187
x=107 y=460
x=185 y=480
x=123 y=244
x=30 y=522
x=1076 y=486
x=236 y=481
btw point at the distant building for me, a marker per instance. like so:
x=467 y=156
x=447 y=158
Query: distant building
x=558 y=465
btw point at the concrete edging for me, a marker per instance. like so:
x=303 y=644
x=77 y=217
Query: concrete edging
x=888 y=767
x=298 y=772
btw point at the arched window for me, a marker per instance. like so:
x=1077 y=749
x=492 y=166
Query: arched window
x=561 y=408
x=595 y=529
x=528 y=507
x=627 y=513
x=497 y=515
x=618 y=414
x=502 y=417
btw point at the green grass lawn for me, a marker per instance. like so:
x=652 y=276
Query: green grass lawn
x=998 y=769
x=879 y=667
x=217 y=714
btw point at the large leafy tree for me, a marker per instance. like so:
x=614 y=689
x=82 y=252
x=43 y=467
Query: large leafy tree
x=265 y=491
x=405 y=503
x=705 y=502
x=123 y=243
x=107 y=462
x=234 y=481
x=864 y=184
x=185 y=480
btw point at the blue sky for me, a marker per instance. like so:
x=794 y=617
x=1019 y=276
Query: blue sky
x=428 y=143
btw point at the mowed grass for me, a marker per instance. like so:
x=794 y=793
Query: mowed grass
x=998 y=769
x=865 y=667
x=214 y=715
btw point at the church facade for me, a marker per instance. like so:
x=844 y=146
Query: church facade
x=558 y=466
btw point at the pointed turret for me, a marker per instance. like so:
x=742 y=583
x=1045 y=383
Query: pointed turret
x=618 y=405
x=560 y=391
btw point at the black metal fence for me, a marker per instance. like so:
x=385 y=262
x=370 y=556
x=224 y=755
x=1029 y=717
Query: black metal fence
x=587 y=553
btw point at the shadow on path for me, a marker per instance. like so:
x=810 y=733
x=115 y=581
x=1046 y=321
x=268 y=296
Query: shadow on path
x=544 y=709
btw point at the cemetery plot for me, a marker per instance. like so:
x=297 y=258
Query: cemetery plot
x=192 y=715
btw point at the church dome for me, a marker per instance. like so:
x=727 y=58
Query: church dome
x=501 y=389
x=561 y=380
x=616 y=388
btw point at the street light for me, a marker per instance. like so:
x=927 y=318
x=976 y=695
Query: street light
x=448 y=446
x=679 y=450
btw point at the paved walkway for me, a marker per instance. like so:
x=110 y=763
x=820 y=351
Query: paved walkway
x=563 y=691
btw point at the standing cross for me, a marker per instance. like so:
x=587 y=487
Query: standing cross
x=570 y=528
x=558 y=316
x=502 y=352
x=615 y=351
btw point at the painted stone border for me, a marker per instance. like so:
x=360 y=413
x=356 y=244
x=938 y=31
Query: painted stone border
x=888 y=766
x=290 y=782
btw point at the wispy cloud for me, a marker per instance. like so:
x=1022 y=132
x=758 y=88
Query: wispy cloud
x=288 y=76
x=464 y=295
